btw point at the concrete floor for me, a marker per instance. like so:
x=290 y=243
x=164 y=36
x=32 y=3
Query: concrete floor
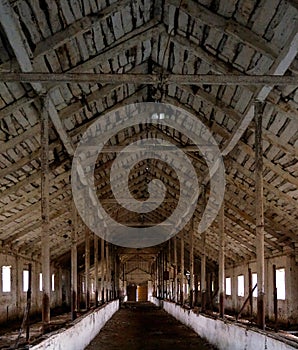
x=142 y=326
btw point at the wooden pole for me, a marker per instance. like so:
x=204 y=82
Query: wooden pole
x=275 y=298
x=191 y=265
x=246 y=301
x=221 y=263
x=203 y=273
x=107 y=272
x=74 y=263
x=259 y=214
x=182 y=271
x=87 y=268
x=250 y=295
x=45 y=211
x=176 y=270
x=29 y=293
x=169 y=289
x=96 y=269
x=102 y=265
x=203 y=257
x=196 y=292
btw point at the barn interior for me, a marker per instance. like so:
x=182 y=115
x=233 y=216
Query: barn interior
x=66 y=66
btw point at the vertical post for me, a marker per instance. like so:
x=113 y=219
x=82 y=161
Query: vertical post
x=203 y=273
x=176 y=270
x=159 y=276
x=250 y=294
x=275 y=298
x=182 y=271
x=28 y=303
x=221 y=263
x=96 y=268
x=191 y=265
x=45 y=211
x=107 y=272
x=74 y=263
x=196 y=289
x=87 y=268
x=164 y=286
x=169 y=289
x=203 y=258
x=259 y=214
x=102 y=265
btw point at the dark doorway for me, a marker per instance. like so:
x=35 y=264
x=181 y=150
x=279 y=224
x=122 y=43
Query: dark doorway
x=132 y=292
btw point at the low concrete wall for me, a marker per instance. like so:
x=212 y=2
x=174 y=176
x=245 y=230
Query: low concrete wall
x=81 y=333
x=224 y=335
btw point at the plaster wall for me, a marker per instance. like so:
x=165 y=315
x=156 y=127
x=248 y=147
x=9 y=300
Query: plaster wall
x=12 y=304
x=82 y=332
x=223 y=334
x=288 y=308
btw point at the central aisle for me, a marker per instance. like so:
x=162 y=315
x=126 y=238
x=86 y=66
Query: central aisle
x=143 y=326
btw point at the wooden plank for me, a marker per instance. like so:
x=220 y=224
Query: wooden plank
x=259 y=215
x=45 y=214
x=228 y=26
x=221 y=262
x=279 y=68
x=128 y=78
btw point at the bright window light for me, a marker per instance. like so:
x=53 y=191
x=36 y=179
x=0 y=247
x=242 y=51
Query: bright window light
x=40 y=282
x=254 y=282
x=6 y=279
x=228 y=286
x=25 y=280
x=53 y=282
x=281 y=284
x=240 y=286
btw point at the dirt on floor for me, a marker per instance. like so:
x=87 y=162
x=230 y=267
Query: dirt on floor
x=143 y=326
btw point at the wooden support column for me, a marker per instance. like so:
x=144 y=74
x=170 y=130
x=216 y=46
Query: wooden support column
x=176 y=270
x=191 y=265
x=169 y=289
x=158 y=277
x=250 y=294
x=203 y=273
x=29 y=293
x=203 y=256
x=87 y=268
x=275 y=298
x=45 y=211
x=259 y=214
x=221 y=262
x=196 y=292
x=182 y=271
x=96 y=269
x=74 y=263
x=102 y=268
x=107 y=265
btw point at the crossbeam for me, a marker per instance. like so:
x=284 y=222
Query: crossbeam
x=130 y=78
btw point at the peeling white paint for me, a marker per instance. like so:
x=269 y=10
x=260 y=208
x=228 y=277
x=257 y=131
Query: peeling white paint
x=82 y=332
x=224 y=335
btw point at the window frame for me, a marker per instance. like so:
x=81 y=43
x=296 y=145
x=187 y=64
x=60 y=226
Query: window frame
x=230 y=286
x=9 y=278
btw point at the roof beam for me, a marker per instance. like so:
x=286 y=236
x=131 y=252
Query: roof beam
x=246 y=148
x=151 y=79
x=15 y=39
x=279 y=67
x=228 y=26
x=149 y=30
x=81 y=26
